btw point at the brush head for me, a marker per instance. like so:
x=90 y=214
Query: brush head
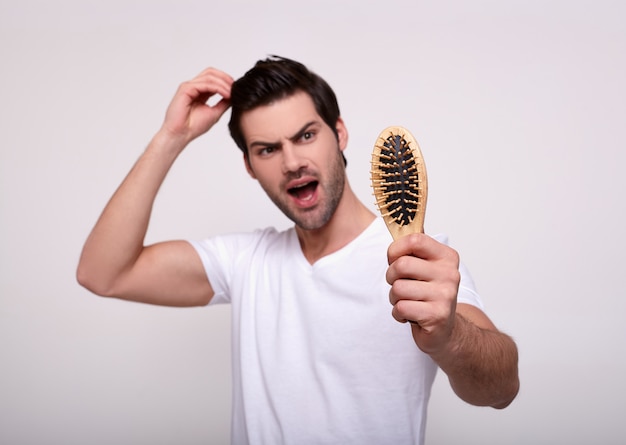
x=399 y=181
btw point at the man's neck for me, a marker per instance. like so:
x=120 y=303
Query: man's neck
x=350 y=219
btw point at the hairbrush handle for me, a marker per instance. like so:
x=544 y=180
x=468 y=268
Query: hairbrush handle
x=399 y=181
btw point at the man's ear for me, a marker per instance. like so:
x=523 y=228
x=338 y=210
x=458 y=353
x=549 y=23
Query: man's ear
x=246 y=161
x=342 y=134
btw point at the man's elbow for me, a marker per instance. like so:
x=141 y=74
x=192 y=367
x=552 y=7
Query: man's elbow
x=508 y=394
x=90 y=280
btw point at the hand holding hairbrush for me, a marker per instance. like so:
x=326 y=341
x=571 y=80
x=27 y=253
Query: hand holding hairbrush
x=399 y=181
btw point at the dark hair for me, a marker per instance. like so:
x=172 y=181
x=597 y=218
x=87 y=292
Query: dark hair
x=273 y=79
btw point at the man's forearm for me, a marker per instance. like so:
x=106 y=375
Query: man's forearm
x=481 y=364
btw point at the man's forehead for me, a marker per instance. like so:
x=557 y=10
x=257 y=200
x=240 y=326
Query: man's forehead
x=279 y=119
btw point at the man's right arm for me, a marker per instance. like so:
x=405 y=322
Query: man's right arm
x=115 y=262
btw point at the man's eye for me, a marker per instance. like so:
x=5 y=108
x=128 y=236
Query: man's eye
x=308 y=135
x=266 y=150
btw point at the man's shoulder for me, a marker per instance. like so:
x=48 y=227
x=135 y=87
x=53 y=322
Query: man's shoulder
x=262 y=238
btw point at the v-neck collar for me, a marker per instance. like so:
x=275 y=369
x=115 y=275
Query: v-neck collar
x=332 y=257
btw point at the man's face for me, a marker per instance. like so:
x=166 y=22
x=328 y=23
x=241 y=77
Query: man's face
x=296 y=158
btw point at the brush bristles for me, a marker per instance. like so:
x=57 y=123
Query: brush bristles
x=399 y=178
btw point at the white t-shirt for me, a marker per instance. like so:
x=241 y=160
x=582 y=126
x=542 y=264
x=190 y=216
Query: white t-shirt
x=317 y=356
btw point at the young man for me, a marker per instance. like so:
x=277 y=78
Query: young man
x=317 y=357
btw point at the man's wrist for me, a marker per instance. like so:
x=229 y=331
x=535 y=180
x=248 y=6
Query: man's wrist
x=167 y=144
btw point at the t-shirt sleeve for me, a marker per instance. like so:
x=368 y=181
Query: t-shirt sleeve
x=211 y=252
x=221 y=255
x=467 y=290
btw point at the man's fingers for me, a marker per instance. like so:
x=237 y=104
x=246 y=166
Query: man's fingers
x=416 y=244
x=417 y=312
x=201 y=90
x=422 y=246
x=217 y=81
x=409 y=267
x=221 y=106
x=214 y=72
x=207 y=84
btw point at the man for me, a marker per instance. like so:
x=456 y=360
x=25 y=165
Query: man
x=317 y=357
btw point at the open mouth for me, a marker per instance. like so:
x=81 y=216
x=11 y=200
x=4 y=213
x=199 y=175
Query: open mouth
x=303 y=192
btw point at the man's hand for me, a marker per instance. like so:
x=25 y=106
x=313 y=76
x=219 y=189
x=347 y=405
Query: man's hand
x=424 y=278
x=189 y=115
x=480 y=361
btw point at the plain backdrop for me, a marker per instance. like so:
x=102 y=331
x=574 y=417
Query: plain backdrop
x=519 y=108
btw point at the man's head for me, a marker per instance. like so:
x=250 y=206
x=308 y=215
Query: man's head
x=286 y=121
x=273 y=79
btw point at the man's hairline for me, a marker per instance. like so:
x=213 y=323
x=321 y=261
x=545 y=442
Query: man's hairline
x=281 y=98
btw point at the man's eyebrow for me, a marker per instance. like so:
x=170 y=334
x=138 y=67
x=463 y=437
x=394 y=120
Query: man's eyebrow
x=295 y=137
x=263 y=144
x=302 y=130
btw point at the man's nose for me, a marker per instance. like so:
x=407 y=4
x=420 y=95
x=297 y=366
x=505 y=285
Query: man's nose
x=292 y=158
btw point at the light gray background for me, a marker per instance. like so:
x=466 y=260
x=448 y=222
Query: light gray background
x=519 y=107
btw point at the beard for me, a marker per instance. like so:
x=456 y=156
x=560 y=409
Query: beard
x=319 y=215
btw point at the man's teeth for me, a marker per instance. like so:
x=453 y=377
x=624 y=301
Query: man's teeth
x=304 y=191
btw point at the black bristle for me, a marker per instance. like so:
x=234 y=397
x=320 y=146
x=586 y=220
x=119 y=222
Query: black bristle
x=399 y=184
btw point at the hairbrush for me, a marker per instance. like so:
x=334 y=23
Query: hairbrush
x=399 y=181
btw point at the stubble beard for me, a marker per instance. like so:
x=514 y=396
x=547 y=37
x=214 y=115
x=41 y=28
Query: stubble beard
x=319 y=215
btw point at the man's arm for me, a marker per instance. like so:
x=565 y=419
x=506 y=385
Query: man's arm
x=114 y=261
x=480 y=361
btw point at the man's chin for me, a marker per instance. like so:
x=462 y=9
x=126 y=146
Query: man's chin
x=311 y=221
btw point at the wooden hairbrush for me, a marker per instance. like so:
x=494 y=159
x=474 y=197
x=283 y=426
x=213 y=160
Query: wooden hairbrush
x=399 y=181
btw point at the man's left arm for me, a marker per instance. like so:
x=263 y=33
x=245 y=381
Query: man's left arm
x=480 y=361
